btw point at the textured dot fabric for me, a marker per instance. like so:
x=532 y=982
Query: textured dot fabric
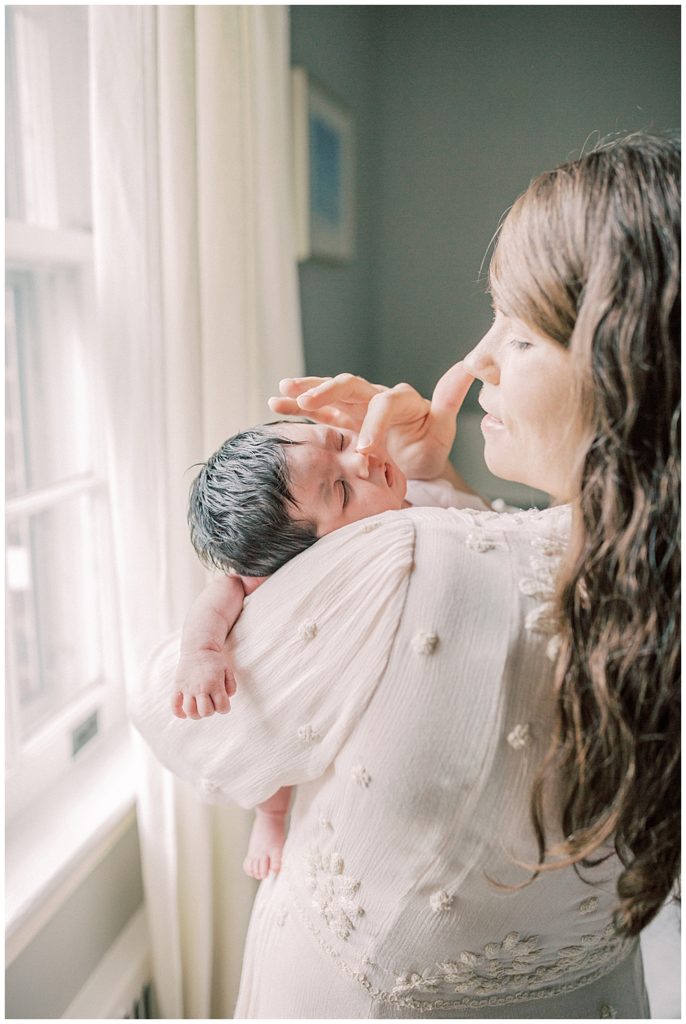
x=401 y=678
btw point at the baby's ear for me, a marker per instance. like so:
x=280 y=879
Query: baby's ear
x=251 y=583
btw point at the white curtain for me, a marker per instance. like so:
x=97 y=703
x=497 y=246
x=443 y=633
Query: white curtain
x=197 y=293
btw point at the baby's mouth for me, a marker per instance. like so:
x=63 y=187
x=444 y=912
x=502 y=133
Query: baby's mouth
x=388 y=472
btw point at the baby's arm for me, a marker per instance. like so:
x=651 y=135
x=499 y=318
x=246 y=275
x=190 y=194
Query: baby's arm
x=268 y=835
x=204 y=680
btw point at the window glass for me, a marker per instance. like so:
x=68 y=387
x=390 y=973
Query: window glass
x=48 y=413
x=47 y=161
x=56 y=642
x=63 y=664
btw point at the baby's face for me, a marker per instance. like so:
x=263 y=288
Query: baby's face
x=332 y=482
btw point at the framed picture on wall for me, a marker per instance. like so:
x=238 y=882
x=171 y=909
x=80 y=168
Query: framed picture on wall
x=324 y=172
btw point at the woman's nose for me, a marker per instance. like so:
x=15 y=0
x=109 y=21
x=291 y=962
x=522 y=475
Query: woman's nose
x=482 y=362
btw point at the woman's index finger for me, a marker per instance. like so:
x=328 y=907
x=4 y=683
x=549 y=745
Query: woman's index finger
x=344 y=389
x=401 y=405
x=451 y=390
x=291 y=387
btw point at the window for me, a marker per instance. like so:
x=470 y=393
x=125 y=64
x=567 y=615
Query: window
x=63 y=669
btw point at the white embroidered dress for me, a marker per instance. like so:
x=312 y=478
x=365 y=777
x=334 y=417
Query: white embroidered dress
x=400 y=674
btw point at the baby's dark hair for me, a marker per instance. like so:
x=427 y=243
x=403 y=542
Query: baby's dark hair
x=241 y=505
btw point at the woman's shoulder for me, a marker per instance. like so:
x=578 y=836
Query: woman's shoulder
x=515 y=523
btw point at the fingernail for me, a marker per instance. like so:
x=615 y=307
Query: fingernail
x=363 y=442
x=286 y=380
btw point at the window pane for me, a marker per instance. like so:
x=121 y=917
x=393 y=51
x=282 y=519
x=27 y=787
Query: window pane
x=46 y=103
x=48 y=433
x=57 y=646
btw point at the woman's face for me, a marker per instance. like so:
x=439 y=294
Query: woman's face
x=533 y=431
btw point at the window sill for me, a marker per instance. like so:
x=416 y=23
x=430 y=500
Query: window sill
x=52 y=846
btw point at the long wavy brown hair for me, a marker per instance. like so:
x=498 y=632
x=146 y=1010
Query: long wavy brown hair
x=590 y=255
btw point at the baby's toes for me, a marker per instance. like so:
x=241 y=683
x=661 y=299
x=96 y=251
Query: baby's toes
x=275 y=860
x=249 y=867
x=264 y=866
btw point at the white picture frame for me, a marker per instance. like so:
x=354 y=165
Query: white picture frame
x=324 y=172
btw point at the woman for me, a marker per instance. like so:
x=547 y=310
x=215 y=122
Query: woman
x=480 y=710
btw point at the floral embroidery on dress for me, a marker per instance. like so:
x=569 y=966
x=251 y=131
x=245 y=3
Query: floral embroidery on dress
x=516 y=963
x=440 y=901
x=420 y=992
x=281 y=916
x=480 y=544
x=307 y=630
x=308 y=735
x=368 y=527
x=424 y=643
x=361 y=776
x=607 y=1011
x=541 y=586
x=520 y=737
x=325 y=823
x=588 y=905
x=334 y=894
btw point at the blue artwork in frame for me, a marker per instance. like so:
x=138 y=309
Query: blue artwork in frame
x=324 y=172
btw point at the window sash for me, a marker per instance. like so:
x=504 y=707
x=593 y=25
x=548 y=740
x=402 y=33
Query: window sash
x=48 y=149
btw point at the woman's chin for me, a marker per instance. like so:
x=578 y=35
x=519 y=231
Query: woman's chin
x=497 y=466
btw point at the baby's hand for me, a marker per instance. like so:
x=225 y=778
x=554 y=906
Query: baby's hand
x=203 y=684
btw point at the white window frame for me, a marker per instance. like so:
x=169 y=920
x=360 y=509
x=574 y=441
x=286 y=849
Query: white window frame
x=46 y=757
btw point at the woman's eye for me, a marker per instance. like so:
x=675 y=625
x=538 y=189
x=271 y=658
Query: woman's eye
x=342 y=444
x=521 y=346
x=346 y=491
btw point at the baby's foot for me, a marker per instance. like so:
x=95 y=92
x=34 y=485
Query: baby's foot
x=266 y=845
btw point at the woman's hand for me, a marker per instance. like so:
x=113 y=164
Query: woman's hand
x=417 y=433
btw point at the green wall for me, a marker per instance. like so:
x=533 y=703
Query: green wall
x=457 y=109
x=337 y=46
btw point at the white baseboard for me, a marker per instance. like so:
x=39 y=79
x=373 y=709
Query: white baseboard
x=118 y=980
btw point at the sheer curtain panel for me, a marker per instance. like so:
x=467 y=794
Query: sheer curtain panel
x=197 y=294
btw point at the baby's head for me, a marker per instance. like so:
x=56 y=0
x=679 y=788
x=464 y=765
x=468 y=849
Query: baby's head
x=270 y=492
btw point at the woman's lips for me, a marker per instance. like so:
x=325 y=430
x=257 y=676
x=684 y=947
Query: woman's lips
x=489 y=422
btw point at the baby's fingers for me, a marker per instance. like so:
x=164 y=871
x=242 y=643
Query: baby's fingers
x=220 y=701
x=229 y=683
x=204 y=704
x=190 y=708
x=177 y=705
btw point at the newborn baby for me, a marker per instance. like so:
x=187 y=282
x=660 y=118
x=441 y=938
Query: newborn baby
x=266 y=495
